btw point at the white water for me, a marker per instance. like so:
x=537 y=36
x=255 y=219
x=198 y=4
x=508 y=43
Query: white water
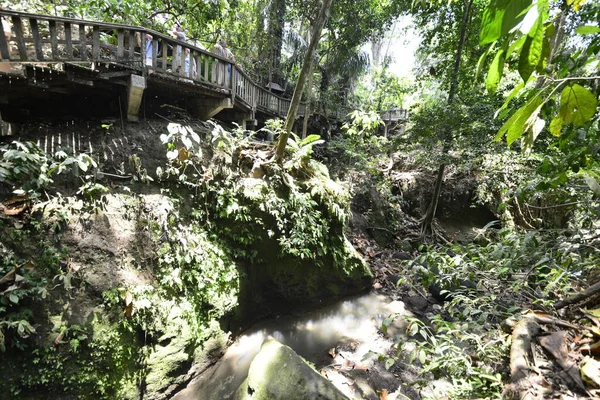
x=311 y=335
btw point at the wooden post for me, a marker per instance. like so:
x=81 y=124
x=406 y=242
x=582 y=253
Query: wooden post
x=96 y=43
x=154 y=52
x=4 y=46
x=37 y=40
x=18 y=26
x=233 y=80
x=120 y=44
x=82 y=42
x=143 y=54
x=131 y=55
x=54 y=39
x=165 y=49
x=68 y=41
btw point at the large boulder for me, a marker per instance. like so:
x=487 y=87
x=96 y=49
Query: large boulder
x=277 y=372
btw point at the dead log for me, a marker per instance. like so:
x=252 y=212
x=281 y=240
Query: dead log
x=523 y=381
x=592 y=290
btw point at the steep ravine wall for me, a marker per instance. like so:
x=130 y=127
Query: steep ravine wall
x=127 y=289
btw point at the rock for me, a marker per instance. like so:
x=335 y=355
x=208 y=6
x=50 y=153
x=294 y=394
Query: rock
x=405 y=245
x=277 y=372
x=401 y=255
x=417 y=303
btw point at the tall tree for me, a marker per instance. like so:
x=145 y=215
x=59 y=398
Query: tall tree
x=308 y=59
x=427 y=219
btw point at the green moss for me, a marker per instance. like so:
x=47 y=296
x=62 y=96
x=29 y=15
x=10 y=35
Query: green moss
x=278 y=373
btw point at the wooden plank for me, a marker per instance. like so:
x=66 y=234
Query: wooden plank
x=68 y=41
x=18 y=27
x=4 y=47
x=37 y=43
x=82 y=43
x=131 y=43
x=96 y=42
x=53 y=39
x=120 y=44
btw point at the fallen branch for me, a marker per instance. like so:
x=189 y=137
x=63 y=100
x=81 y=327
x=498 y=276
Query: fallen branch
x=592 y=290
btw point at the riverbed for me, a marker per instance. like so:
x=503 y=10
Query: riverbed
x=334 y=338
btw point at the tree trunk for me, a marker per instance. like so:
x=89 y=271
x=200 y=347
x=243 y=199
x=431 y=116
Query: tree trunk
x=308 y=101
x=308 y=96
x=276 y=22
x=432 y=209
x=306 y=66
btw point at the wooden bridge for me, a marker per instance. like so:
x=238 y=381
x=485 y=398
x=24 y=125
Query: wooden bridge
x=52 y=65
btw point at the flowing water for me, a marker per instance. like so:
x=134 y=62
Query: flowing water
x=311 y=335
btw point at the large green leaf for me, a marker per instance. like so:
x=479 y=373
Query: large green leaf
x=495 y=71
x=524 y=114
x=531 y=52
x=520 y=121
x=577 y=105
x=500 y=17
x=546 y=48
x=481 y=61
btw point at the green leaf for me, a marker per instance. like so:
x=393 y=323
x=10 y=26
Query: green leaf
x=82 y=165
x=389 y=363
x=517 y=124
x=577 y=105
x=422 y=356
x=516 y=45
x=511 y=95
x=543 y=7
x=500 y=17
x=309 y=139
x=495 y=72
x=481 y=61
x=587 y=30
x=523 y=116
x=531 y=52
x=556 y=125
x=546 y=48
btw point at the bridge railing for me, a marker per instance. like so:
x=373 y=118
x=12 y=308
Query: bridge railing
x=394 y=114
x=46 y=39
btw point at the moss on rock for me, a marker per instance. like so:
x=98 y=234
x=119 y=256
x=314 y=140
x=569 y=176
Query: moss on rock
x=278 y=373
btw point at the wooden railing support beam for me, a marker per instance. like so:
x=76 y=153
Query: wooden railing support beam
x=206 y=108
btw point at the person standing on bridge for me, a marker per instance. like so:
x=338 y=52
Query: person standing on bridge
x=179 y=34
x=6 y=28
x=222 y=50
x=148 y=48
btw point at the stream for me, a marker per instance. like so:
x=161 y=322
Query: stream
x=353 y=321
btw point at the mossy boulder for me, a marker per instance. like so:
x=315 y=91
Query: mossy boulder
x=278 y=373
